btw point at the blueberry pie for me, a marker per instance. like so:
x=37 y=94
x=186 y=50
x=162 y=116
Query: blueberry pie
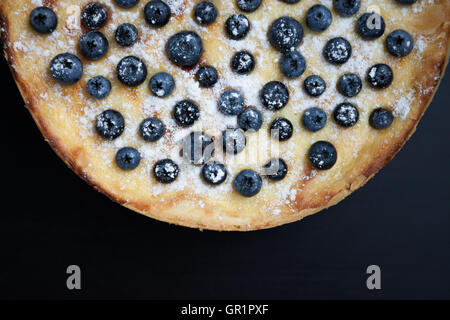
x=226 y=115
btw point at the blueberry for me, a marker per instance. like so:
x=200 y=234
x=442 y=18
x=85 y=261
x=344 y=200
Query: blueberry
x=349 y=85
x=274 y=95
x=110 y=124
x=126 y=34
x=214 y=173
x=322 y=155
x=243 y=62
x=318 y=18
x=234 y=141
x=285 y=34
x=290 y=1
x=347 y=8
x=131 y=71
x=247 y=183
x=381 y=118
x=346 y=114
x=231 y=102
x=43 y=20
x=166 y=171
x=185 y=48
x=250 y=119
x=207 y=76
x=406 y=1
x=371 y=26
x=276 y=169
x=157 y=13
x=399 y=43
x=98 y=87
x=314 y=85
x=186 y=113
x=126 y=3
x=128 y=158
x=198 y=148
x=281 y=129
x=337 y=50
x=162 y=84
x=94 y=16
x=237 y=26
x=293 y=64
x=151 y=129
x=248 y=5
x=314 y=119
x=66 y=68
x=205 y=13
x=380 y=76
x=94 y=45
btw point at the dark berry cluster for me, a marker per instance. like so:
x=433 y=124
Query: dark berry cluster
x=185 y=50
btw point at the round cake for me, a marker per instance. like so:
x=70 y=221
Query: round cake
x=226 y=115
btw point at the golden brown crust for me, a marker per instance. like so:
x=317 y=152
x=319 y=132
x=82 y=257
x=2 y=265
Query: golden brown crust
x=180 y=209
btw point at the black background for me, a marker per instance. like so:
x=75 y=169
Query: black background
x=51 y=219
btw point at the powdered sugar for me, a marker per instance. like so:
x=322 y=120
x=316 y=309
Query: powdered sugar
x=176 y=6
x=403 y=104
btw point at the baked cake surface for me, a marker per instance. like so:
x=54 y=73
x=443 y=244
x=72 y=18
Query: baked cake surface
x=66 y=114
